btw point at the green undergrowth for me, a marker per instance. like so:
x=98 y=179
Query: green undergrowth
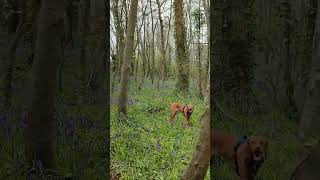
x=81 y=135
x=79 y=155
x=144 y=145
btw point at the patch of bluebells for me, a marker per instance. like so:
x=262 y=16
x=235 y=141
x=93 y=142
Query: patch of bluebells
x=69 y=127
x=158 y=146
x=23 y=121
x=4 y=125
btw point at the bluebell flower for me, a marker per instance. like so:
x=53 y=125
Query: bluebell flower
x=23 y=121
x=3 y=120
x=69 y=127
x=4 y=124
x=158 y=144
x=39 y=165
x=130 y=102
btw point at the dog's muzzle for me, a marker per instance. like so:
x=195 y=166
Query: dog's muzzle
x=258 y=155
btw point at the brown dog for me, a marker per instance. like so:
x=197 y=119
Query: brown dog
x=115 y=176
x=247 y=154
x=186 y=110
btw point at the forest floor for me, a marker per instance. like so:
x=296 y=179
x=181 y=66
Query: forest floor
x=144 y=145
x=81 y=128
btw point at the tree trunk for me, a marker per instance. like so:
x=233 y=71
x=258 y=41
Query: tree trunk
x=10 y=64
x=98 y=45
x=200 y=161
x=199 y=56
x=308 y=169
x=13 y=19
x=35 y=11
x=84 y=29
x=199 y=164
x=162 y=49
x=182 y=59
x=309 y=123
x=207 y=15
x=128 y=52
x=69 y=23
x=288 y=57
x=152 y=44
x=168 y=53
x=41 y=125
x=120 y=40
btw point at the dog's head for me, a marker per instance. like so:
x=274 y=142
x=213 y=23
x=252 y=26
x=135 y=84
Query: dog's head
x=258 y=147
x=190 y=109
x=115 y=176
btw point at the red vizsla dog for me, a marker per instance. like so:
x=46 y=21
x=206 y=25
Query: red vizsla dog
x=186 y=110
x=247 y=154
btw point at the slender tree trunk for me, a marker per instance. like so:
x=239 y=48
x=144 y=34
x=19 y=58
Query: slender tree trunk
x=41 y=125
x=288 y=59
x=60 y=66
x=200 y=161
x=10 y=64
x=152 y=46
x=13 y=20
x=120 y=39
x=199 y=55
x=84 y=19
x=35 y=11
x=128 y=52
x=309 y=123
x=97 y=82
x=162 y=49
x=182 y=59
x=207 y=15
x=69 y=22
x=143 y=49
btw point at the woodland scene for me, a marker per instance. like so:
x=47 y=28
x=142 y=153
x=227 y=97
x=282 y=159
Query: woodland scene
x=160 y=56
x=160 y=89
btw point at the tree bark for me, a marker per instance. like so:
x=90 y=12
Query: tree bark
x=128 y=52
x=309 y=123
x=10 y=64
x=120 y=40
x=84 y=29
x=152 y=44
x=308 y=169
x=182 y=59
x=162 y=48
x=199 y=55
x=36 y=4
x=98 y=46
x=200 y=161
x=13 y=19
x=288 y=57
x=69 y=23
x=41 y=126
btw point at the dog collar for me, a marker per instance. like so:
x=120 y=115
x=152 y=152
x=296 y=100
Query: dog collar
x=184 y=107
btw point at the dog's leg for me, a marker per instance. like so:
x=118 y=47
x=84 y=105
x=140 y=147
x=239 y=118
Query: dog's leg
x=244 y=173
x=186 y=121
x=172 y=115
